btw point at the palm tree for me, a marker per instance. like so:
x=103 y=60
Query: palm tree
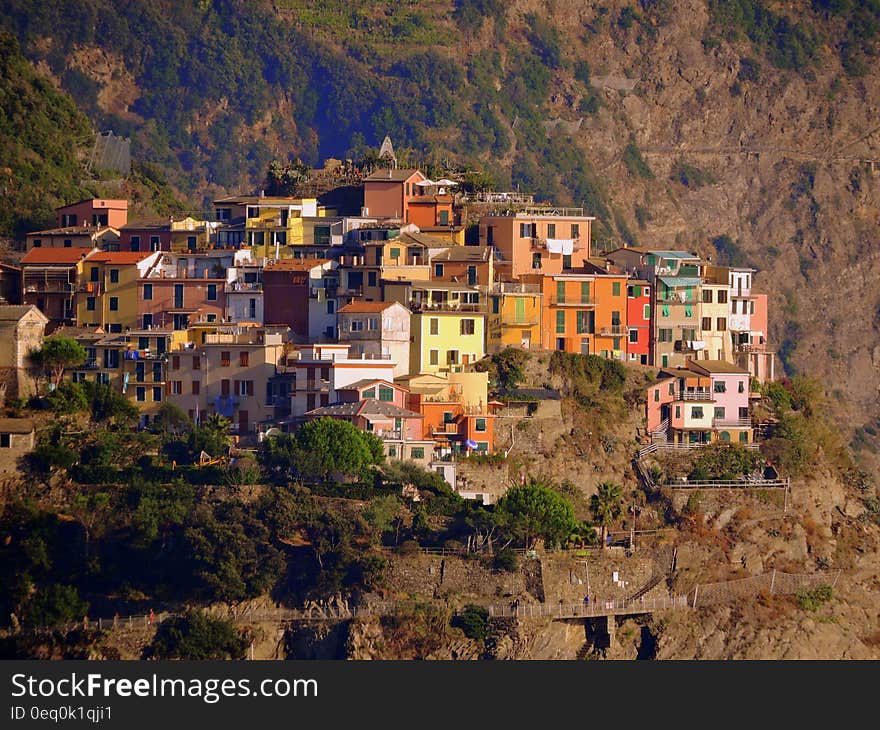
x=607 y=506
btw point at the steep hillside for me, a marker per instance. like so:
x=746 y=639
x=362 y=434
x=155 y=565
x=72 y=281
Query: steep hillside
x=744 y=129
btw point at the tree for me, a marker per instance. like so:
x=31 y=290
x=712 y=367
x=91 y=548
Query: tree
x=171 y=419
x=196 y=636
x=607 y=506
x=58 y=353
x=535 y=511
x=324 y=449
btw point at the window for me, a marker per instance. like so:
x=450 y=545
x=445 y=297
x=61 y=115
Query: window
x=140 y=394
x=707 y=296
x=438 y=270
x=392 y=452
x=585 y=292
x=575 y=230
x=5 y=440
x=584 y=322
x=722 y=296
x=688 y=333
x=386 y=394
x=243 y=358
x=664 y=335
x=114 y=276
x=560 y=321
x=157 y=393
x=467 y=327
x=154 y=246
x=148 y=291
x=720 y=386
x=225 y=357
x=480 y=424
x=741 y=387
x=696 y=411
x=371 y=278
x=176 y=387
x=38 y=243
x=368 y=393
x=496 y=305
x=452 y=357
x=197 y=362
x=615 y=288
x=394 y=253
x=434 y=326
x=656 y=395
x=566 y=261
x=678 y=411
x=743 y=437
x=525 y=230
x=244 y=387
x=212 y=292
x=646 y=312
x=560 y=292
x=114 y=304
x=664 y=310
x=706 y=323
x=178 y=295
x=135 y=243
x=417 y=452
x=536 y=260
x=147 y=321
x=90 y=304
x=551 y=230
x=331 y=306
x=373 y=324
x=751 y=307
x=688 y=310
x=744 y=412
x=175 y=362
x=434 y=357
x=196 y=387
x=253 y=211
x=357 y=325
x=719 y=412
x=634 y=336
x=722 y=324
x=444 y=217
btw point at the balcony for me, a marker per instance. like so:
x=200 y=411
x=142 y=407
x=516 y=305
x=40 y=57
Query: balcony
x=689 y=345
x=527 y=321
x=731 y=422
x=245 y=286
x=699 y=394
x=350 y=292
x=613 y=330
x=510 y=287
x=315 y=386
x=573 y=302
x=540 y=244
x=49 y=287
x=324 y=293
x=447 y=306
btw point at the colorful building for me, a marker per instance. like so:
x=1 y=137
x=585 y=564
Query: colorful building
x=377 y=328
x=184 y=235
x=585 y=313
x=515 y=315
x=387 y=193
x=49 y=281
x=702 y=402
x=81 y=237
x=537 y=240
x=471 y=265
x=21 y=332
x=638 y=321
x=301 y=294
x=107 y=292
x=95 y=212
x=446 y=339
x=676 y=320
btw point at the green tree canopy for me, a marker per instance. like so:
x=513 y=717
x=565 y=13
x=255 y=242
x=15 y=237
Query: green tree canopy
x=58 y=353
x=196 y=636
x=533 y=511
x=607 y=505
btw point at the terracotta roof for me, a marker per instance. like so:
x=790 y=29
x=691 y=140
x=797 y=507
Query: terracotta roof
x=716 y=367
x=73 y=231
x=400 y=175
x=120 y=257
x=367 y=407
x=16 y=425
x=100 y=203
x=295 y=264
x=67 y=256
x=364 y=307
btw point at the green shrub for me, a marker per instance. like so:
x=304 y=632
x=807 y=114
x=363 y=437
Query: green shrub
x=635 y=163
x=506 y=560
x=813 y=600
x=196 y=636
x=473 y=620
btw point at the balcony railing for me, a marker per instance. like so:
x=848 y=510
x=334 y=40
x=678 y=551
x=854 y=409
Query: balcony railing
x=447 y=306
x=613 y=330
x=527 y=321
x=244 y=286
x=689 y=345
x=702 y=394
x=573 y=302
x=540 y=243
x=674 y=299
x=351 y=292
x=731 y=422
x=49 y=287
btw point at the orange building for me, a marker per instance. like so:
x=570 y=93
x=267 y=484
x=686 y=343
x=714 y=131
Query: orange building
x=537 y=240
x=93 y=212
x=387 y=193
x=585 y=311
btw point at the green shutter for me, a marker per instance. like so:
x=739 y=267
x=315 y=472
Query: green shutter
x=585 y=292
x=615 y=288
x=560 y=292
x=520 y=309
x=665 y=310
x=560 y=321
x=688 y=310
x=637 y=290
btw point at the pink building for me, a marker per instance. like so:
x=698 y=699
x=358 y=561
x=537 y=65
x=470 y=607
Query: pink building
x=638 y=321
x=387 y=193
x=177 y=303
x=93 y=212
x=703 y=402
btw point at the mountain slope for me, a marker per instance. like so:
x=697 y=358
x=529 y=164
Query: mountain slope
x=742 y=129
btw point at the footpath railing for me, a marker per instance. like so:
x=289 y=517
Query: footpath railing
x=596 y=607
x=775 y=583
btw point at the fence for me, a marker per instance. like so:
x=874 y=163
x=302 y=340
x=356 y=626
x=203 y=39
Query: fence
x=596 y=607
x=775 y=583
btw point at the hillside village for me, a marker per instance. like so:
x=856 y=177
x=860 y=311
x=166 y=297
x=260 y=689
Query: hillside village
x=281 y=310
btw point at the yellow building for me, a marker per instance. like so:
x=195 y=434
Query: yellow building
x=514 y=318
x=271 y=225
x=714 y=330
x=445 y=340
x=107 y=288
